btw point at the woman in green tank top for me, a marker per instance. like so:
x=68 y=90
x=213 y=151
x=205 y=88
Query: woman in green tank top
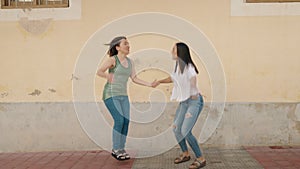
x=115 y=97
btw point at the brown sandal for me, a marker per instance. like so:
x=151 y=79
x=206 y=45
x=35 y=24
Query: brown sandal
x=181 y=159
x=197 y=164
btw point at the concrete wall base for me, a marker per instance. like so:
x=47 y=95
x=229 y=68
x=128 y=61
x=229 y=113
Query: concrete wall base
x=27 y=127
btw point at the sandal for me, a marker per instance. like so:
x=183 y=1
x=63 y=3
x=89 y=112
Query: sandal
x=125 y=154
x=181 y=159
x=197 y=164
x=118 y=155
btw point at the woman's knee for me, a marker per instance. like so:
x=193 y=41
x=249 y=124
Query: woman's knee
x=186 y=132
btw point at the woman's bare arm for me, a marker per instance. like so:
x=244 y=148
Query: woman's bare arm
x=137 y=80
x=108 y=63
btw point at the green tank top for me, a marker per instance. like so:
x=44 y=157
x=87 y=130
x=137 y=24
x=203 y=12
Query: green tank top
x=118 y=87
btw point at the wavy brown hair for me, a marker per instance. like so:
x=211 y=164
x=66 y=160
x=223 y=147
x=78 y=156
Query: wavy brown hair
x=113 y=44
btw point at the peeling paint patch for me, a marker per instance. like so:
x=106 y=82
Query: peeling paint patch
x=3 y=91
x=52 y=90
x=74 y=77
x=3 y=109
x=214 y=112
x=4 y=94
x=35 y=27
x=297 y=126
x=260 y=108
x=35 y=93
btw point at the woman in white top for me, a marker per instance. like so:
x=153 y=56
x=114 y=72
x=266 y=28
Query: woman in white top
x=191 y=103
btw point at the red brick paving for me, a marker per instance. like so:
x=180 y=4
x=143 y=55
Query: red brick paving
x=269 y=157
x=62 y=160
x=273 y=157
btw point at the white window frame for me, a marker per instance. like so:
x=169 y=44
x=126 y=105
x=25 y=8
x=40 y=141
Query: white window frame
x=73 y=12
x=241 y=8
x=15 y=4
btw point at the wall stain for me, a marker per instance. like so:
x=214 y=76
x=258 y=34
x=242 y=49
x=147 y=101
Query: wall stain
x=3 y=91
x=52 y=90
x=3 y=109
x=3 y=88
x=292 y=114
x=297 y=126
x=259 y=107
x=74 y=77
x=35 y=27
x=36 y=92
x=297 y=112
x=214 y=113
x=5 y=94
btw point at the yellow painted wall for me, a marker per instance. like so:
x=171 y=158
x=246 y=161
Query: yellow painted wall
x=260 y=54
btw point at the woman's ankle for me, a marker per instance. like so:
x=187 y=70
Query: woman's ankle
x=201 y=159
x=186 y=153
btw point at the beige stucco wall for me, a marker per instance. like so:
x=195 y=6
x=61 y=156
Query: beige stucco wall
x=259 y=53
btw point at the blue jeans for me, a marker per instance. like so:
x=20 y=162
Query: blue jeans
x=119 y=107
x=186 y=116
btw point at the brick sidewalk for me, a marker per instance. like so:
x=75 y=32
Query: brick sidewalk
x=62 y=160
x=217 y=158
x=276 y=157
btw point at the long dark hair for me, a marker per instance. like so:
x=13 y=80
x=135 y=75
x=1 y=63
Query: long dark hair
x=184 y=57
x=113 y=44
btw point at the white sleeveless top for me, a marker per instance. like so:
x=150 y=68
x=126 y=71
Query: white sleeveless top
x=183 y=88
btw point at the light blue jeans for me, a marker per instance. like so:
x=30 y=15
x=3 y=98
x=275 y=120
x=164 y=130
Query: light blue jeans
x=187 y=114
x=119 y=108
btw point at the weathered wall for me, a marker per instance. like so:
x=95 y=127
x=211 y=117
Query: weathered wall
x=259 y=54
x=54 y=126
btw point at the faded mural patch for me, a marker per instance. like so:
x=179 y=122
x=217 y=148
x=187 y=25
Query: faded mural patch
x=35 y=27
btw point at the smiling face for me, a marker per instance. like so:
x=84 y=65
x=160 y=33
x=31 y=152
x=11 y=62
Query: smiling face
x=123 y=47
